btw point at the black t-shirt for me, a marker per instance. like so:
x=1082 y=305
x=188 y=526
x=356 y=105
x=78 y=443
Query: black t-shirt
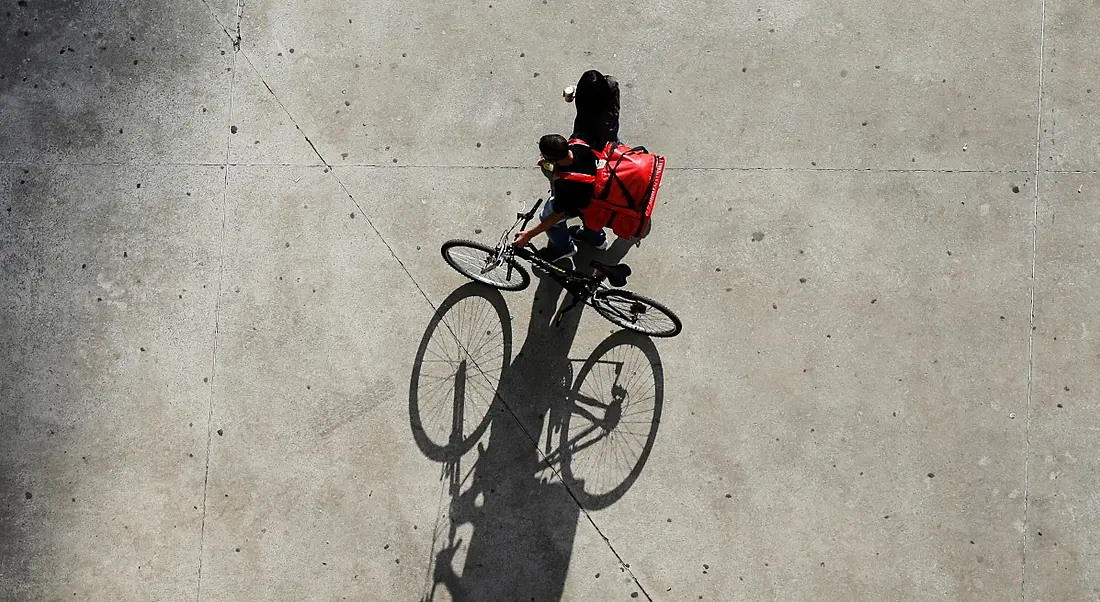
x=571 y=197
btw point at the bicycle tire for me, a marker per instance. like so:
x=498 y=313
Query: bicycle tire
x=603 y=302
x=481 y=253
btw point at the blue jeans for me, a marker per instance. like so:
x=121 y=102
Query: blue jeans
x=561 y=239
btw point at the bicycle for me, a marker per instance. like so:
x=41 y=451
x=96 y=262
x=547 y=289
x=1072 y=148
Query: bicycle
x=485 y=264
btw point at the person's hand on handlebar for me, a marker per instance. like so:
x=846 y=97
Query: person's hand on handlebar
x=524 y=238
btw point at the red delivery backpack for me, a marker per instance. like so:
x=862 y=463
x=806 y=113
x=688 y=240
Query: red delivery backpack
x=625 y=189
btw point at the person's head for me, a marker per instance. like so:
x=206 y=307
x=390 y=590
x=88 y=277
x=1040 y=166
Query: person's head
x=554 y=148
x=592 y=79
x=593 y=91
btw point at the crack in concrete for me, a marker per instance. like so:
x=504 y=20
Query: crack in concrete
x=214 y=15
x=217 y=330
x=240 y=16
x=1034 y=285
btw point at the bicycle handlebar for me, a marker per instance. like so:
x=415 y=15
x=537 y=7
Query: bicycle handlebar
x=530 y=215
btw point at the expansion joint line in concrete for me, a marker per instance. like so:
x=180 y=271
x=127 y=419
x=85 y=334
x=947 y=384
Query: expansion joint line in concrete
x=328 y=167
x=730 y=169
x=214 y=350
x=1034 y=285
x=533 y=440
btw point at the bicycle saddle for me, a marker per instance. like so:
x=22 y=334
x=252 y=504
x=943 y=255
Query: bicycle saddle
x=616 y=274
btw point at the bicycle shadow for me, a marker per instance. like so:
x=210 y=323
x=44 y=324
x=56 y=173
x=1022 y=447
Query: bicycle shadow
x=543 y=439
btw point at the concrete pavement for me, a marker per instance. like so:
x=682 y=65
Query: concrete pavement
x=235 y=366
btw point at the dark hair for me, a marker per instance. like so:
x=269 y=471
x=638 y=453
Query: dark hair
x=554 y=147
x=593 y=92
x=591 y=78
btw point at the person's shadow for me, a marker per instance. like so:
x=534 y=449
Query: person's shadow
x=546 y=443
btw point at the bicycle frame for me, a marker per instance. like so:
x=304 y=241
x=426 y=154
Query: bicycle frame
x=601 y=287
x=579 y=285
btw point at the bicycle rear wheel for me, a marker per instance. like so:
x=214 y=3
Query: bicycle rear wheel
x=482 y=263
x=636 y=312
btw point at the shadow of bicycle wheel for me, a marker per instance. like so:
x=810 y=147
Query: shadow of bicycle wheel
x=510 y=511
x=457 y=371
x=609 y=425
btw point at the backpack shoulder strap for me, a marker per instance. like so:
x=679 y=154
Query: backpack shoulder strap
x=573 y=176
x=600 y=154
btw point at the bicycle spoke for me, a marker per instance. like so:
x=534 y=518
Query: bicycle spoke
x=589 y=401
x=636 y=313
x=631 y=313
x=490 y=265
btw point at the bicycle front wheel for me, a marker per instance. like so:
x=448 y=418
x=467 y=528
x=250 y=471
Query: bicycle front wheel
x=482 y=263
x=635 y=312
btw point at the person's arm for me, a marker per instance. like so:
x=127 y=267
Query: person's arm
x=522 y=238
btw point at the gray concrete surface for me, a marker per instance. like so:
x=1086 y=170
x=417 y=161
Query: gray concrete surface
x=235 y=367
